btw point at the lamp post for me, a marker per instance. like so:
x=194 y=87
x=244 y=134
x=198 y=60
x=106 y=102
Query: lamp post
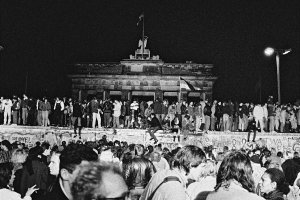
x=269 y=52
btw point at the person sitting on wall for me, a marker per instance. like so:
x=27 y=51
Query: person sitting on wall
x=166 y=123
x=252 y=128
x=154 y=126
x=176 y=124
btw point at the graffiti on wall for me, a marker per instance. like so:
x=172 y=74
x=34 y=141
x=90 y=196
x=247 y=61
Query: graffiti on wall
x=279 y=141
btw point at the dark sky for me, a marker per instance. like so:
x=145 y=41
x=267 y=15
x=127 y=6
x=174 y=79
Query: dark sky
x=42 y=37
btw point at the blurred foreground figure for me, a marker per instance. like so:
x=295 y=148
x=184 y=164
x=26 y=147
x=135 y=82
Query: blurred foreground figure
x=171 y=184
x=99 y=181
x=234 y=180
x=69 y=160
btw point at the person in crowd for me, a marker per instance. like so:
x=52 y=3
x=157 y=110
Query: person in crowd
x=166 y=123
x=24 y=109
x=186 y=123
x=271 y=115
x=290 y=168
x=5 y=192
x=172 y=112
x=65 y=111
x=77 y=118
x=38 y=113
x=234 y=180
x=99 y=181
x=157 y=108
x=34 y=172
x=58 y=111
x=15 y=110
x=5 y=151
x=70 y=110
x=283 y=117
x=116 y=114
x=274 y=185
x=53 y=168
x=154 y=126
x=213 y=117
x=70 y=158
x=95 y=106
x=126 y=105
x=46 y=109
x=134 y=107
x=171 y=184
x=258 y=170
x=258 y=114
x=138 y=172
x=176 y=124
x=148 y=111
x=164 y=109
x=149 y=152
x=207 y=115
x=107 y=110
x=159 y=162
x=141 y=122
x=190 y=109
x=183 y=108
x=265 y=118
x=203 y=178
x=1 y=110
x=18 y=158
x=6 y=107
x=226 y=116
x=252 y=129
x=54 y=163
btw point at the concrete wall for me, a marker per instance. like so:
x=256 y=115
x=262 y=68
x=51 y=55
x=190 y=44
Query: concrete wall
x=30 y=135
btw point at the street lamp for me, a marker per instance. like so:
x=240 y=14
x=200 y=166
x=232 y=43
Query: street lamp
x=269 y=51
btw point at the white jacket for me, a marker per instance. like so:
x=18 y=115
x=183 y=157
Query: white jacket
x=6 y=105
x=258 y=112
x=117 y=110
x=11 y=195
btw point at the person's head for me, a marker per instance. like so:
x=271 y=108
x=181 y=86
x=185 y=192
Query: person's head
x=99 y=181
x=139 y=150
x=19 y=156
x=46 y=148
x=152 y=115
x=63 y=143
x=289 y=155
x=207 y=168
x=225 y=149
x=54 y=163
x=274 y=179
x=150 y=149
x=235 y=166
x=5 y=145
x=156 y=156
x=71 y=157
x=187 y=157
x=296 y=154
x=5 y=174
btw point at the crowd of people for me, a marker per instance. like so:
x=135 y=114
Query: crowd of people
x=172 y=116
x=118 y=170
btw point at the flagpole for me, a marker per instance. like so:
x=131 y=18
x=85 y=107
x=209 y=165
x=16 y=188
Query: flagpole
x=143 y=33
x=179 y=100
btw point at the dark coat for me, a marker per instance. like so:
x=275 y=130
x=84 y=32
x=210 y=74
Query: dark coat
x=274 y=195
x=56 y=193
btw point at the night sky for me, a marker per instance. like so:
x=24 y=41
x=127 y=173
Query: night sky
x=42 y=37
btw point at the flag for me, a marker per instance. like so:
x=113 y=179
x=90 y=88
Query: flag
x=186 y=85
x=145 y=42
x=141 y=17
